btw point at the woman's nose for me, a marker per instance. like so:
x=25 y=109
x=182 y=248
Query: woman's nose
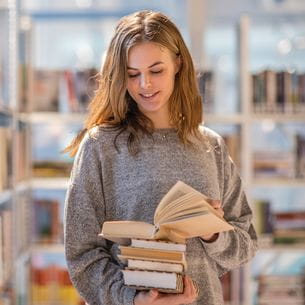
x=145 y=82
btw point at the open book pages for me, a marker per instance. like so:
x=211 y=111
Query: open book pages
x=182 y=201
x=163 y=281
x=182 y=213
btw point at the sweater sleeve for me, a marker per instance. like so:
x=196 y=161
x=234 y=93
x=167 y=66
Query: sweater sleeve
x=236 y=247
x=92 y=270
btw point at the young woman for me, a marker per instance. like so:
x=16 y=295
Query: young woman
x=142 y=135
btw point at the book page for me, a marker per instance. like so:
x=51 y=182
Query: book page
x=181 y=197
x=186 y=203
x=199 y=225
x=174 y=193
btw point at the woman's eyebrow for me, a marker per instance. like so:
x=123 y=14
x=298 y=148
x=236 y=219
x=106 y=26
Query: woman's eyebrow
x=156 y=63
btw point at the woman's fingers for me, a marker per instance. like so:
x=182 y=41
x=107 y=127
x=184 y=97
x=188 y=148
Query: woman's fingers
x=216 y=204
x=190 y=291
x=153 y=294
x=146 y=297
x=153 y=297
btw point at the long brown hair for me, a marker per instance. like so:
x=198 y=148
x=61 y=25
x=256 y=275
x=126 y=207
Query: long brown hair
x=113 y=106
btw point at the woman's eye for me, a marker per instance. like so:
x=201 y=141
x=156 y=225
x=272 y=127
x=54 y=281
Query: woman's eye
x=132 y=75
x=156 y=72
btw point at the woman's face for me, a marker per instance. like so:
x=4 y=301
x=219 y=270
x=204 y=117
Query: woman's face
x=151 y=77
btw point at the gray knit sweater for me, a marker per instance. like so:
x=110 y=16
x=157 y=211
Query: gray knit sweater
x=107 y=184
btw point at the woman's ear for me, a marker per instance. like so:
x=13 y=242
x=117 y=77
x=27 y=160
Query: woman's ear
x=178 y=63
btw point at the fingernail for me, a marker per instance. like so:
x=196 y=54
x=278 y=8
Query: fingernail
x=153 y=293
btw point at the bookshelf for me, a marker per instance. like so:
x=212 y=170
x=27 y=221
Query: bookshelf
x=282 y=188
x=234 y=120
x=13 y=160
x=274 y=169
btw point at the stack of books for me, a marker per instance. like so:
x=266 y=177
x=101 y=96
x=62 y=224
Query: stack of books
x=154 y=254
x=154 y=264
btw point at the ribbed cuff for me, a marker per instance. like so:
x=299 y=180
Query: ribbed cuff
x=129 y=296
x=216 y=246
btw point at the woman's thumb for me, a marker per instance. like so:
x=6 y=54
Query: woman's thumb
x=153 y=294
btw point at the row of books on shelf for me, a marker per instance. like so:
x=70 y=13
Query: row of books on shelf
x=278 y=92
x=51 y=168
x=21 y=139
x=266 y=164
x=5 y=157
x=285 y=227
x=284 y=164
x=63 y=168
x=63 y=91
x=22 y=161
x=70 y=91
x=51 y=284
x=47 y=225
x=281 y=289
x=6 y=251
x=272 y=91
x=23 y=221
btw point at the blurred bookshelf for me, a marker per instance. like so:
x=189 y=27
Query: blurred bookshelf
x=276 y=182
x=57 y=79
x=264 y=109
x=260 y=115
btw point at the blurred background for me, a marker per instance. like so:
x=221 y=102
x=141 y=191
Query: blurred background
x=250 y=62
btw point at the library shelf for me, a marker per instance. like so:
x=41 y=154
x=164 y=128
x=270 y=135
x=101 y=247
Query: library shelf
x=52 y=117
x=49 y=183
x=279 y=117
x=223 y=119
x=279 y=182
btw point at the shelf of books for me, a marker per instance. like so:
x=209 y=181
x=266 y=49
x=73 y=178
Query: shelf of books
x=265 y=137
x=6 y=164
x=277 y=106
x=54 y=96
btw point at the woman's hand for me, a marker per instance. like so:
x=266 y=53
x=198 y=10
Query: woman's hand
x=153 y=297
x=216 y=204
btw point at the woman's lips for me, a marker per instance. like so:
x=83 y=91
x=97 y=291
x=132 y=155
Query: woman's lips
x=148 y=96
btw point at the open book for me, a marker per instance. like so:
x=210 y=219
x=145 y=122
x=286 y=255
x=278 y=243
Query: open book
x=182 y=213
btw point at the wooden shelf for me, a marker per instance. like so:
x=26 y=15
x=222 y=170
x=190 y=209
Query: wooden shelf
x=23 y=186
x=49 y=183
x=52 y=117
x=211 y=118
x=280 y=182
x=279 y=118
